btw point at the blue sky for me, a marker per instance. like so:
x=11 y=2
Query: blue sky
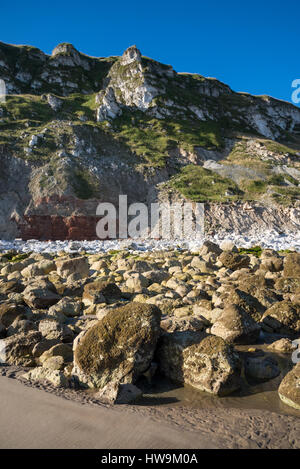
x=253 y=46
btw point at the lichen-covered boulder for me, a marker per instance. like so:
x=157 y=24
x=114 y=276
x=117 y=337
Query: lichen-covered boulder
x=233 y=260
x=17 y=349
x=283 y=318
x=292 y=265
x=244 y=300
x=119 y=348
x=289 y=389
x=236 y=326
x=205 y=362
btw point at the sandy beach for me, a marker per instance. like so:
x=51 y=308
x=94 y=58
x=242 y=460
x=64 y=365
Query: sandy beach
x=33 y=418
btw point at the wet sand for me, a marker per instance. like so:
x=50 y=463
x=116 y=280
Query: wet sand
x=33 y=418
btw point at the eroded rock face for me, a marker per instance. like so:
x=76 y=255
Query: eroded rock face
x=119 y=348
x=236 y=326
x=289 y=389
x=207 y=363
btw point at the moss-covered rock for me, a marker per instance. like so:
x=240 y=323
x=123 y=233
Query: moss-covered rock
x=283 y=318
x=205 y=362
x=233 y=260
x=119 y=348
x=289 y=389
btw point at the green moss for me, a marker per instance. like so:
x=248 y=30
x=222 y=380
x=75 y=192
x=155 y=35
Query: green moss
x=201 y=185
x=255 y=251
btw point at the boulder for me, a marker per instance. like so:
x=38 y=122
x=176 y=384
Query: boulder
x=66 y=306
x=62 y=350
x=119 y=348
x=42 y=374
x=12 y=286
x=101 y=291
x=77 y=265
x=292 y=265
x=283 y=345
x=52 y=329
x=235 y=296
x=236 y=326
x=289 y=389
x=233 y=260
x=205 y=362
x=54 y=363
x=21 y=326
x=282 y=318
x=10 y=311
x=40 y=294
x=116 y=393
x=17 y=349
x=261 y=367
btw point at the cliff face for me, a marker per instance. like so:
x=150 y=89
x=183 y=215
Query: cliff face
x=78 y=130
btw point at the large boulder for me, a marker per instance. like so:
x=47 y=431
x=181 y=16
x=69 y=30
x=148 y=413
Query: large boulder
x=119 y=348
x=77 y=265
x=67 y=307
x=292 y=265
x=245 y=300
x=282 y=318
x=40 y=294
x=52 y=329
x=100 y=291
x=289 y=389
x=236 y=326
x=205 y=362
x=17 y=349
x=233 y=260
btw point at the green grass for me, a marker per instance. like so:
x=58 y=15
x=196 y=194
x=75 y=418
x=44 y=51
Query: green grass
x=255 y=251
x=201 y=185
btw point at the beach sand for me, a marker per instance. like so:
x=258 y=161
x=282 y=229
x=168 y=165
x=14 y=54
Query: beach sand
x=33 y=418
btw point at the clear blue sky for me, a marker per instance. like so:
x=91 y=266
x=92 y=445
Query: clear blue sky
x=252 y=46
